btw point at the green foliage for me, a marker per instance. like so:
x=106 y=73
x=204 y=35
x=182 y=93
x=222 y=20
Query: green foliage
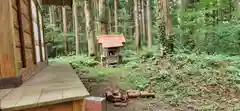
x=204 y=68
x=75 y=61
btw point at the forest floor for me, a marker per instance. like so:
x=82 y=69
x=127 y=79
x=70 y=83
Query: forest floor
x=98 y=88
x=182 y=82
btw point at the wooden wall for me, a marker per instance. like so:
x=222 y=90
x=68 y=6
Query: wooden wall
x=7 y=59
x=17 y=38
x=77 y=105
x=28 y=34
x=24 y=35
x=24 y=49
x=17 y=46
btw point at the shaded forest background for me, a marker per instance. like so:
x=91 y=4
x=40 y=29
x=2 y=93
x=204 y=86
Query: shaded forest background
x=188 y=48
x=199 y=26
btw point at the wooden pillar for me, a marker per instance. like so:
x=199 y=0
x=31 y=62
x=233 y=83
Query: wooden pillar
x=44 y=41
x=7 y=58
x=39 y=33
x=32 y=32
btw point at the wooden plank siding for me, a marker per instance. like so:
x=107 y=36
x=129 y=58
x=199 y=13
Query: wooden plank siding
x=17 y=46
x=20 y=44
x=28 y=43
x=7 y=58
x=17 y=40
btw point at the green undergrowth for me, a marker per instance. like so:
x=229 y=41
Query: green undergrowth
x=199 y=81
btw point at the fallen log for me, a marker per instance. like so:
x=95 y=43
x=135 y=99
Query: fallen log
x=124 y=97
x=134 y=94
x=116 y=92
x=120 y=104
x=109 y=96
x=130 y=91
x=117 y=100
x=147 y=94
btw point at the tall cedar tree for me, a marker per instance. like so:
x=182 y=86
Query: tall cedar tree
x=65 y=30
x=149 y=24
x=76 y=26
x=103 y=16
x=168 y=44
x=90 y=27
x=116 y=15
x=136 y=18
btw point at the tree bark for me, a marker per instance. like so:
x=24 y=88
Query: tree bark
x=51 y=14
x=76 y=27
x=116 y=15
x=136 y=17
x=103 y=17
x=143 y=20
x=109 y=19
x=90 y=28
x=149 y=25
x=182 y=4
x=168 y=44
x=65 y=30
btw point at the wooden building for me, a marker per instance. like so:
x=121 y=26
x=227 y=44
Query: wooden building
x=23 y=62
x=110 y=46
x=22 y=46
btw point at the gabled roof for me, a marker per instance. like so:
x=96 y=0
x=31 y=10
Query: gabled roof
x=57 y=2
x=111 y=40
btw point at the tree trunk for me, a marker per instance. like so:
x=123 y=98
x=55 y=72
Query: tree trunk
x=90 y=28
x=76 y=26
x=237 y=8
x=182 y=5
x=149 y=24
x=143 y=20
x=103 y=17
x=116 y=15
x=109 y=19
x=136 y=17
x=65 y=30
x=52 y=14
x=168 y=44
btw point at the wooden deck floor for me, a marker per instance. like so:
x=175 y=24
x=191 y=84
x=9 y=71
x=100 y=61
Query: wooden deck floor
x=54 y=84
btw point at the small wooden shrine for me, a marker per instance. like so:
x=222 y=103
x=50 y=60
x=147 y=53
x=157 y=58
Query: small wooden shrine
x=110 y=45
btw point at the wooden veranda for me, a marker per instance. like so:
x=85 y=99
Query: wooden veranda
x=55 y=88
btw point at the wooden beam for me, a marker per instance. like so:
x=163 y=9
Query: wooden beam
x=32 y=32
x=21 y=35
x=7 y=58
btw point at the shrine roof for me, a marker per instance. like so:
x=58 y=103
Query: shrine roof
x=111 y=40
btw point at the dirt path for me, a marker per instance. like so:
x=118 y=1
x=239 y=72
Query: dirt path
x=97 y=88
